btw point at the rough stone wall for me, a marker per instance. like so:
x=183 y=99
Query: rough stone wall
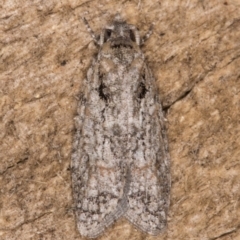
x=194 y=54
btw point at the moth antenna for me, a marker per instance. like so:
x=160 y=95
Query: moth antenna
x=147 y=35
x=89 y=29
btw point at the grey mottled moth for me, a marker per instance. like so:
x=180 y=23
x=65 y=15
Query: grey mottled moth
x=120 y=160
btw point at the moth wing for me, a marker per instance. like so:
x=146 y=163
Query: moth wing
x=98 y=182
x=148 y=195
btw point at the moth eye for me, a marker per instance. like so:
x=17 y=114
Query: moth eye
x=132 y=35
x=107 y=34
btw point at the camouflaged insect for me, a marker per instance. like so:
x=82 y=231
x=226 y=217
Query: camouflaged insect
x=120 y=161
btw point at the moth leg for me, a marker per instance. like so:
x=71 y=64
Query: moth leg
x=89 y=29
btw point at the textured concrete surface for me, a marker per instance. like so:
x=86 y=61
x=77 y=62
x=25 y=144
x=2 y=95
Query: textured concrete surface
x=194 y=54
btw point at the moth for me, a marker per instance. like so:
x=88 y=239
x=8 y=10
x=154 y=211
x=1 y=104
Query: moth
x=120 y=159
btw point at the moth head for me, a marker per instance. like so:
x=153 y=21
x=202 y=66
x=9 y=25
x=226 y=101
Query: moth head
x=120 y=34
